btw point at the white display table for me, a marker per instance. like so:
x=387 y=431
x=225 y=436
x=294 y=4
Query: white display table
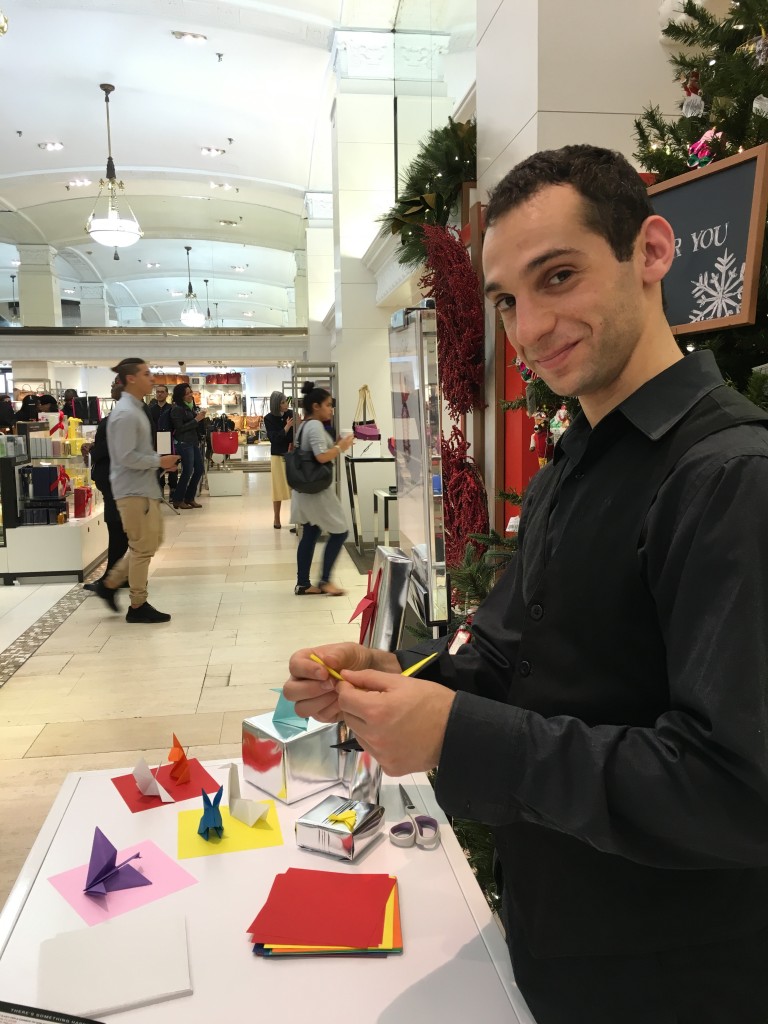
x=225 y=483
x=454 y=966
x=70 y=549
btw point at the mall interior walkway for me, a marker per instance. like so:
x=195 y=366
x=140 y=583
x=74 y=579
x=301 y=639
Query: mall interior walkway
x=100 y=693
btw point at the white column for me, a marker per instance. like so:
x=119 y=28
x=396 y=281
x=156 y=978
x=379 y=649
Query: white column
x=320 y=275
x=39 y=287
x=94 y=311
x=300 y=284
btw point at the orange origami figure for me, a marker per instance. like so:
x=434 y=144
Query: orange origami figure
x=180 y=770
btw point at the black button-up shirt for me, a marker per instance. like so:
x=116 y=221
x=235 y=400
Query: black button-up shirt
x=704 y=560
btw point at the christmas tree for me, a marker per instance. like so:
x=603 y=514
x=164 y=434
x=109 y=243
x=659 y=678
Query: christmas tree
x=724 y=110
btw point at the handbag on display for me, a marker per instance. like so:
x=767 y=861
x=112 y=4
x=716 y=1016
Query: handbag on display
x=362 y=427
x=224 y=442
x=303 y=472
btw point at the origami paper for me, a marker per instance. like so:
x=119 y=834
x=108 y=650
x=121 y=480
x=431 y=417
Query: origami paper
x=167 y=877
x=104 y=874
x=148 y=784
x=367 y=607
x=285 y=715
x=419 y=665
x=237 y=836
x=211 y=819
x=176 y=753
x=86 y=970
x=348 y=818
x=178 y=791
x=244 y=809
x=177 y=757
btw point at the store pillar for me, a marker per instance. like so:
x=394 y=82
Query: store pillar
x=39 y=287
x=94 y=311
x=320 y=278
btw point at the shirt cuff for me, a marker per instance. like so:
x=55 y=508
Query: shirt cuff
x=482 y=760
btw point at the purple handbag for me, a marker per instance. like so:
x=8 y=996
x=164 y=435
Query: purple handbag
x=362 y=427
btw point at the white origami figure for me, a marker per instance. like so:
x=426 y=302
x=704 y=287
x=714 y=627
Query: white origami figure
x=245 y=810
x=148 y=784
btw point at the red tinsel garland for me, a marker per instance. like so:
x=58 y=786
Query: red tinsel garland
x=465 y=502
x=452 y=282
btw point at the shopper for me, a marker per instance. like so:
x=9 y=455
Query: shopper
x=321 y=511
x=7 y=418
x=48 y=404
x=98 y=453
x=185 y=419
x=160 y=412
x=610 y=718
x=29 y=411
x=133 y=478
x=278 y=424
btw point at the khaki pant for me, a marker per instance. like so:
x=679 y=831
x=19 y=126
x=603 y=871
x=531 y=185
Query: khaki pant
x=143 y=525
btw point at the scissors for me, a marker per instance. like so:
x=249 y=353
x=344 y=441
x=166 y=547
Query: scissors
x=419 y=829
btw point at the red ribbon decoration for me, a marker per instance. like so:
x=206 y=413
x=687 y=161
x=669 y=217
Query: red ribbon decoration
x=59 y=425
x=63 y=479
x=366 y=609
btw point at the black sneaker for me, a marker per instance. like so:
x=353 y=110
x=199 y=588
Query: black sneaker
x=146 y=613
x=106 y=594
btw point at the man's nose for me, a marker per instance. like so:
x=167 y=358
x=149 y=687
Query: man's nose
x=533 y=321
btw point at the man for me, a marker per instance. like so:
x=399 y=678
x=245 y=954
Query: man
x=133 y=477
x=160 y=411
x=608 y=717
x=100 y=468
x=7 y=418
x=48 y=404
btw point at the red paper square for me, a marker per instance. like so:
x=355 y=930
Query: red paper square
x=199 y=780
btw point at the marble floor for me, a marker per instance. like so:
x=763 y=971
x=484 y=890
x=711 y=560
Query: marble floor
x=100 y=693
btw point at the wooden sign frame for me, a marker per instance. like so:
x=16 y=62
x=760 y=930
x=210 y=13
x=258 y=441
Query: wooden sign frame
x=748 y=311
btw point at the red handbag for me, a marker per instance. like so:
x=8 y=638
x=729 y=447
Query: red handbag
x=224 y=442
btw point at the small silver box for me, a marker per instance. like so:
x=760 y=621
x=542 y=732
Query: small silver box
x=289 y=763
x=315 y=832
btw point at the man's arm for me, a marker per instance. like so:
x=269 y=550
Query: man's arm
x=691 y=792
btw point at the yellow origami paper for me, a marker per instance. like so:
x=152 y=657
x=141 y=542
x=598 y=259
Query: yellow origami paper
x=348 y=818
x=236 y=836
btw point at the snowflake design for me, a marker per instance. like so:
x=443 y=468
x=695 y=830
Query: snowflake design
x=718 y=292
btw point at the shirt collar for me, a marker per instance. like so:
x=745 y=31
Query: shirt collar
x=657 y=405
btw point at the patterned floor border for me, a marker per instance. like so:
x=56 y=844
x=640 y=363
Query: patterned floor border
x=22 y=649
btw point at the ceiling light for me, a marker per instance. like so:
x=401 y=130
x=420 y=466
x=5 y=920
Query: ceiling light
x=175 y=295
x=153 y=266
x=239 y=270
x=208 y=318
x=79 y=183
x=221 y=184
x=13 y=309
x=69 y=291
x=228 y=223
x=15 y=263
x=249 y=313
x=212 y=151
x=50 y=146
x=110 y=228
x=190 y=37
x=191 y=314
x=243 y=295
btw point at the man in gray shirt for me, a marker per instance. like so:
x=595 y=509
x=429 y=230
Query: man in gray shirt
x=133 y=478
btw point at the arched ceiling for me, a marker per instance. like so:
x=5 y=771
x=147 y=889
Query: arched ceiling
x=260 y=87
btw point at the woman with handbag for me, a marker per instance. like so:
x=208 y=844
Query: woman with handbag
x=185 y=419
x=321 y=510
x=278 y=424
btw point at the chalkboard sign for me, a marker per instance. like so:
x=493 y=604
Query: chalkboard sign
x=718 y=216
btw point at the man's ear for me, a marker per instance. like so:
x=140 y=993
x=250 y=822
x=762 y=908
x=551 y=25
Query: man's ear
x=656 y=242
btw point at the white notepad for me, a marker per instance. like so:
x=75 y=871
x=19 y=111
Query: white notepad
x=132 y=960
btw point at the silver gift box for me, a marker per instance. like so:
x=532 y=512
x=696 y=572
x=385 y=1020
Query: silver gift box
x=315 y=832
x=288 y=763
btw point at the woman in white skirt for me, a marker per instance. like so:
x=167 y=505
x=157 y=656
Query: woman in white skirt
x=321 y=511
x=278 y=424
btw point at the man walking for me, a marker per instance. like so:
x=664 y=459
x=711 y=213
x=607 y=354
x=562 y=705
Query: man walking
x=133 y=477
x=608 y=717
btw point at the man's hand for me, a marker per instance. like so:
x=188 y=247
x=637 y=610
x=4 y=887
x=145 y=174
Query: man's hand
x=400 y=721
x=169 y=461
x=314 y=691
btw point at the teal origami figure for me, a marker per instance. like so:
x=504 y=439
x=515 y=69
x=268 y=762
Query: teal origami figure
x=211 y=819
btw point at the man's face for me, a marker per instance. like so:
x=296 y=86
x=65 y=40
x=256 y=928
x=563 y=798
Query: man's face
x=571 y=310
x=162 y=395
x=141 y=381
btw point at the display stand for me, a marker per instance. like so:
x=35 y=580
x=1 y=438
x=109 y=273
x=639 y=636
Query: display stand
x=351 y=463
x=225 y=484
x=454 y=964
x=385 y=497
x=69 y=549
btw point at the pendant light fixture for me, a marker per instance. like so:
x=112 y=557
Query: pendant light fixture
x=105 y=224
x=16 y=321
x=191 y=314
x=208 y=318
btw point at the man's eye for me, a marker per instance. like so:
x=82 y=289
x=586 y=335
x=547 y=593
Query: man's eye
x=504 y=303
x=560 y=276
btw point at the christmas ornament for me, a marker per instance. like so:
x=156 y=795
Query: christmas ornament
x=693 y=104
x=760 y=105
x=700 y=153
x=761 y=50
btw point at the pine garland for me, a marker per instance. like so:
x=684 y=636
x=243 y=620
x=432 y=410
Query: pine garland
x=451 y=281
x=430 y=188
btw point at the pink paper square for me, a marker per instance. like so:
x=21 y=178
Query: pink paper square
x=165 y=874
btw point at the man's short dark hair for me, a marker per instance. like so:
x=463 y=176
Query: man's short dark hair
x=127 y=367
x=614 y=197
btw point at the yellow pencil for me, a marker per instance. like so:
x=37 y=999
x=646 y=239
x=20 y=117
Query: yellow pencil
x=419 y=664
x=331 y=671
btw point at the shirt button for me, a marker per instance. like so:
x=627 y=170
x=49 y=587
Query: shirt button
x=537 y=612
x=525 y=668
